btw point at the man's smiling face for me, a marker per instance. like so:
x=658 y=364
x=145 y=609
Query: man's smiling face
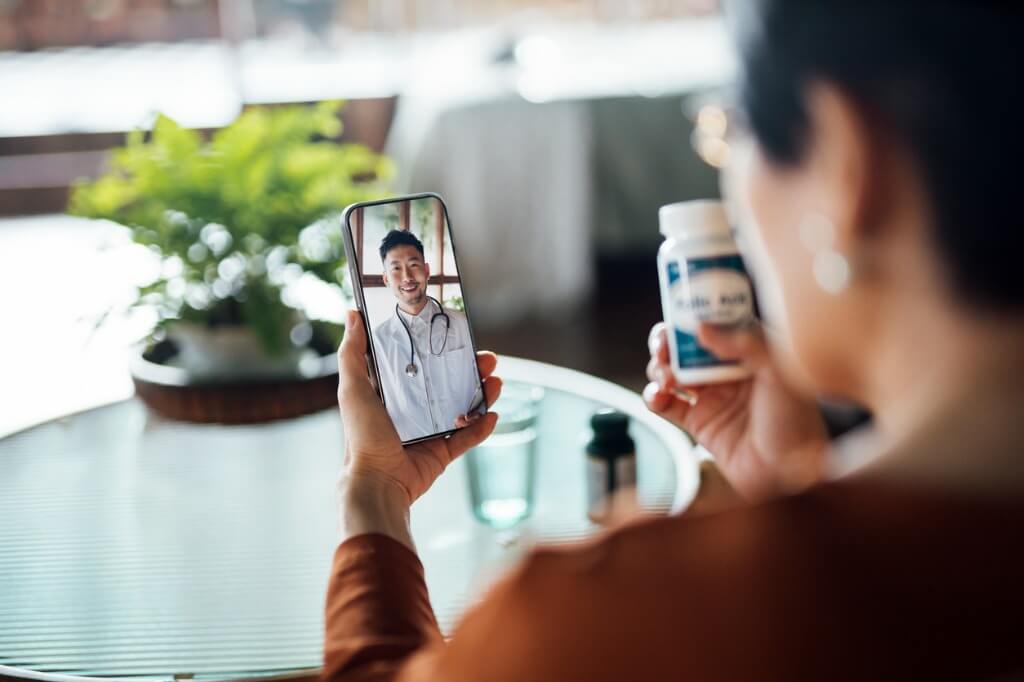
x=405 y=273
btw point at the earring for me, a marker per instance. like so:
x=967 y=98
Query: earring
x=830 y=267
x=831 y=271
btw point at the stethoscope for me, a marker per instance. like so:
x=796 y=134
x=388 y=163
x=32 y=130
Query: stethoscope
x=411 y=370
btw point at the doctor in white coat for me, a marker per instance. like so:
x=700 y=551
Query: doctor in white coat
x=424 y=352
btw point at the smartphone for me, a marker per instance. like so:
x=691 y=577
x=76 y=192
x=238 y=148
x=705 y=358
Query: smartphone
x=405 y=276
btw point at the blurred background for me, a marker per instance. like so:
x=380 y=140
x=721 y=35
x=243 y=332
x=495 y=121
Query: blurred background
x=554 y=130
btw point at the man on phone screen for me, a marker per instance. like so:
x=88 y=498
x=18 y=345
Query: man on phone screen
x=424 y=352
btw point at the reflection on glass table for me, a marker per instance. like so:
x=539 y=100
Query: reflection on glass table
x=133 y=546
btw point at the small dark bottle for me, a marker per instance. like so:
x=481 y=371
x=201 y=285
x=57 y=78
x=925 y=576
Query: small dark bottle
x=611 y=465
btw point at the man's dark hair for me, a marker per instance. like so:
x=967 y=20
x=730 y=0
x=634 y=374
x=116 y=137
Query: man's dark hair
x=939 y=77
x=399 y=238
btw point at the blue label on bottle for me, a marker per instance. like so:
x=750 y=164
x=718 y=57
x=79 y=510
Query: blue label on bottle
x=715 y=290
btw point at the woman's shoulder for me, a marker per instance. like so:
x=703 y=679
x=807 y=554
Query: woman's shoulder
x=787 y=588
x=823 y=537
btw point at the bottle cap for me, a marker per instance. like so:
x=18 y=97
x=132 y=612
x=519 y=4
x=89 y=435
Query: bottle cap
x=609 y=422
x=611 y=434
x=703 y=218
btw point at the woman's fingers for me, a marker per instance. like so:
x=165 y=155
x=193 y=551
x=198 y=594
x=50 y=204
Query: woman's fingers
x=366 y=422
x=656 y=335
x=353 y=378
x=657 y=367
x=472 y=435
x=745 y=344
x=656 y=399
x=665 y=404
x=486 y=361
x=464 y=420
x=660 y=373
x=657 y=342
x=478 y=429
x=492 y=389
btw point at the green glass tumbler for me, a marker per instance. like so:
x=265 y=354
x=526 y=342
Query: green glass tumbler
x=502 y=470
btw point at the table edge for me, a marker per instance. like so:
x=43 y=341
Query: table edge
x=684 y=454
x=21 y=674
x=543 y=374
x=680 y=445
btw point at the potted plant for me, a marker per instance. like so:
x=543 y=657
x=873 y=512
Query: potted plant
x=240 y=220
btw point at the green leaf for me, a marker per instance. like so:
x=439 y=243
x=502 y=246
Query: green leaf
x=264 y=178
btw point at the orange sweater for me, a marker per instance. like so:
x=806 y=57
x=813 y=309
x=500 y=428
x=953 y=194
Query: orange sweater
x=856 y=580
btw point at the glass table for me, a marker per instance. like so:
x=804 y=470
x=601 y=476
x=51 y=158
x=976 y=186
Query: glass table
x=131 y=546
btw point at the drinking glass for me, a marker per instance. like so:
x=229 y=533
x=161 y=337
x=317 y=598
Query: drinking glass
x=502 y=469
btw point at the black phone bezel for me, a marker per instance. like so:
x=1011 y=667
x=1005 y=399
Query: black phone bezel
x=357 y=287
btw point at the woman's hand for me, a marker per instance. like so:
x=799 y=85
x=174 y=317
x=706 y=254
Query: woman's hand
x=381 y=479
x=464 y=420
x=765 y=437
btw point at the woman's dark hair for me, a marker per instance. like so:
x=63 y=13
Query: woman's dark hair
x=942 y=78
x=399 y=238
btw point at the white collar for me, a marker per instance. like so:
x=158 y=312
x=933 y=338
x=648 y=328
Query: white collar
x=424 y=313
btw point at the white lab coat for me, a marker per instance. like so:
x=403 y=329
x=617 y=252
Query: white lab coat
x=446 y=385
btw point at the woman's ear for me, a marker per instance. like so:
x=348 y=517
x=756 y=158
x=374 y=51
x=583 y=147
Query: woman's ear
x=842 y=164
x=863 y=181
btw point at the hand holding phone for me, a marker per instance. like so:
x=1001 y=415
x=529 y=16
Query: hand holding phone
x=404 y=272
x=382 y=477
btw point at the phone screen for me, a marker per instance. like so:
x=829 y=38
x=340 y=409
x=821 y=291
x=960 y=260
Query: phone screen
x=406 y=278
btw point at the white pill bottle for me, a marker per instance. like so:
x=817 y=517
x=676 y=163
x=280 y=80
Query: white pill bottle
x=702 y=280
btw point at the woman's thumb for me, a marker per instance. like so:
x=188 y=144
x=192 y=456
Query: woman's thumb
x=352 y=352
x=745 y=344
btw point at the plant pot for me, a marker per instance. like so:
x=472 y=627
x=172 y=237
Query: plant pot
x=224 y=376
x=229 y=353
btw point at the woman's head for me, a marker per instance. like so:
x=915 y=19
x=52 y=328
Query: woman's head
x=884 y=169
